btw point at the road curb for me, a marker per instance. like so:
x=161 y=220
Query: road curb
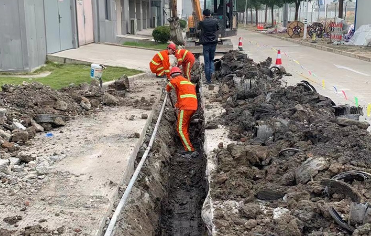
x=136 y=47
x=324 y=48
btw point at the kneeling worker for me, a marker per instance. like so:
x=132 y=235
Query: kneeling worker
x=186 y=59
x=160 y=64
x=186 y=103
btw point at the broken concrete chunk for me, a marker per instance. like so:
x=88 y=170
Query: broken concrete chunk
x=61 y=105
x=5 y=135
x=59 y=121
x=85 y=103
x=309 y=169
x=17 y=168
x=19 y=126
x=43 y=168
x=38 y=127
x=19 y=136
x=109 y=99
x=357 y=213
x=26 y=157
x=2 y=112
x=4 y=166
x=120 y=84
x=348 y=122
x=14 y=161
x=50 y=118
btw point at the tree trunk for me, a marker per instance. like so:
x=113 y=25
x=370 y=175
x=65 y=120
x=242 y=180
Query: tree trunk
x=297 y=5
x=175 y=31
x=266 y=14
x=256 y=16
x=272 y=16
x=341 y=4
x=251 y=15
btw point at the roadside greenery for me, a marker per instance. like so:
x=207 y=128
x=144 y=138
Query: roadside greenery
x=63 y=75
x=161 y=34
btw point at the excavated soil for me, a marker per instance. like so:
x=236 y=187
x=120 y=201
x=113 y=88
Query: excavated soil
x=290 y=142
x=168 y=195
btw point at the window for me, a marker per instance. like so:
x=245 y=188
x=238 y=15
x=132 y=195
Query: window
x=107 y=8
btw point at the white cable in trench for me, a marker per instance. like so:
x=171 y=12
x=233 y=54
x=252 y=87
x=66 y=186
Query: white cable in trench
x=124 y=197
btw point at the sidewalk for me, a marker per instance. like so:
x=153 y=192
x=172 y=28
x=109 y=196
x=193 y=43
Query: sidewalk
x=109 y=55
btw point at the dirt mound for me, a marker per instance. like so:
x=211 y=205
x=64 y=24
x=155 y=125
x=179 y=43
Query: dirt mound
x=291 y=141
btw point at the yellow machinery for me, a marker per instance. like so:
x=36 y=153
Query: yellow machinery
x=227 y=20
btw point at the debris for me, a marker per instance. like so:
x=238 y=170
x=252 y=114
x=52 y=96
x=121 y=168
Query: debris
x=310 y=169
x=61 y=105
x=19 y=136
x=295 y=141
x=26 y=157
x=110 y=100
x=144 y=116
x=4 y=166
x=12 y=220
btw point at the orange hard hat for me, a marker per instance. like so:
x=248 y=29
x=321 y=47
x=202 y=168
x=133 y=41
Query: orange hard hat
x=172 y=46
x=175 y=70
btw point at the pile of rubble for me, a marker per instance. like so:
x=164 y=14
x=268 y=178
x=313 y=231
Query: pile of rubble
x=31 y=108
x=300 y=164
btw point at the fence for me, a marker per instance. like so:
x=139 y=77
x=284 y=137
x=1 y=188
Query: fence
x=315 y=14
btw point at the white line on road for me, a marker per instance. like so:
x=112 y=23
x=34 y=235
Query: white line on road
x=347 y=68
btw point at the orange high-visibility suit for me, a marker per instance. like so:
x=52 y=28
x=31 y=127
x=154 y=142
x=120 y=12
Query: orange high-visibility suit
x=187 y=105
x=186 y=59
x=160 y=64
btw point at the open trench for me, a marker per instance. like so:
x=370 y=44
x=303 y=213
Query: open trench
x=168 y=195
x=181 y=208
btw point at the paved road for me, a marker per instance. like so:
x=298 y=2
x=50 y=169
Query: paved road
x=346 y=74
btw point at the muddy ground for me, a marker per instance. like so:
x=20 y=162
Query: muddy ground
x=290 y=143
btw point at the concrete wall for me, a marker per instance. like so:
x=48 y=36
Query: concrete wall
x=363 y=16
x=22 y=40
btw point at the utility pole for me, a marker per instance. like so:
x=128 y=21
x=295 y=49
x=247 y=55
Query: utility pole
x=285 y=14
x=319 y=9
x=306 y=22
x=245 y=13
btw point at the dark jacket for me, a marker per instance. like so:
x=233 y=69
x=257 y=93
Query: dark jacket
x=209 y=28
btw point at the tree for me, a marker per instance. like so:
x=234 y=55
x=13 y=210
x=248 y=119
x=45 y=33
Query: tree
x=297 y=5
x=271 y=4
x=341 y=5
x=175 y=30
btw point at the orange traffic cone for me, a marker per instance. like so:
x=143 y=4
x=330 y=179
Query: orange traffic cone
x=240 y=44
x=279 y=60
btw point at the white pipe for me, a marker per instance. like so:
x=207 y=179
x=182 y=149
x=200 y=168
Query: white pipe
x=124 y=197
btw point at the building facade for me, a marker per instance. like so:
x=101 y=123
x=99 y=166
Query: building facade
x=31 y=29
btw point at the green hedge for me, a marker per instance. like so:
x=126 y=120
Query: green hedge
x=183 y=24
x=161 y=34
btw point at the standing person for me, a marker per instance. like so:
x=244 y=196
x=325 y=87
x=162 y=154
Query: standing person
x=160 y=64
x=186 y=103
x=186 y=59
x=209 y=39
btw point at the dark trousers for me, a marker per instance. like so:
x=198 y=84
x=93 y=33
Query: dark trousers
x=209 y=53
